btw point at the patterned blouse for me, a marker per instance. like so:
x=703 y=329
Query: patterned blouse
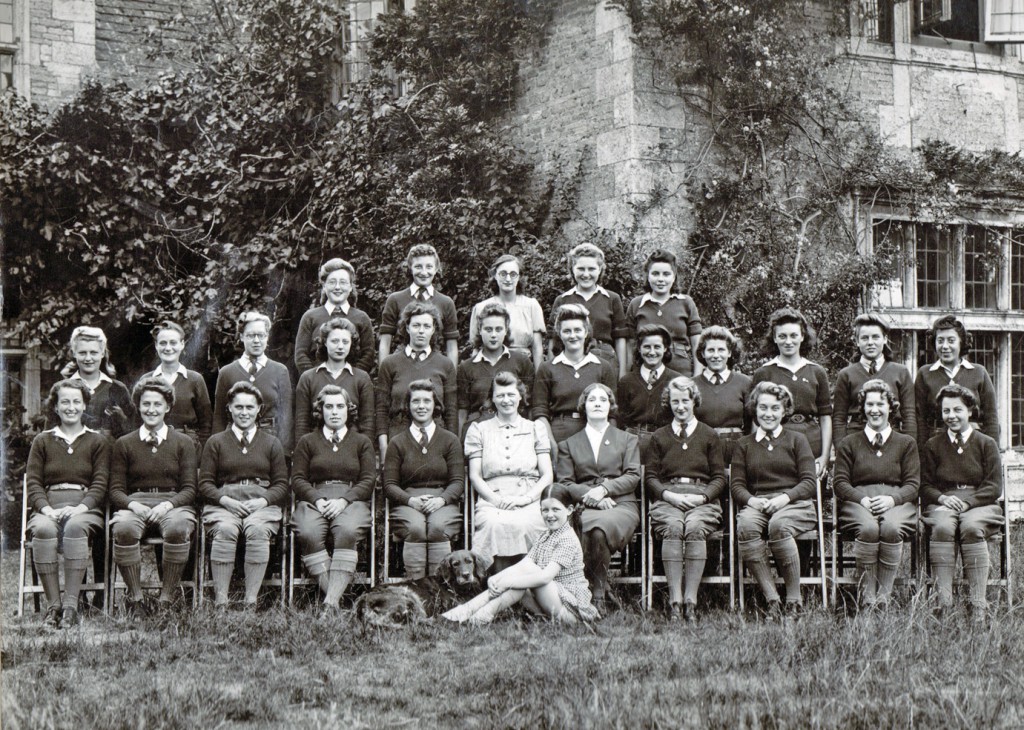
x=563 y=547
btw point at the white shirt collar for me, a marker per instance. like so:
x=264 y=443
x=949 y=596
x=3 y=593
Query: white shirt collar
x=964 y=363
x=690 y=427
x=791 y=368
x=56 y=431
x=646 y=374
x=479 y=355
x=722 y=376
x=885 y=432
x=323 y=366
x=344 y=307
x=328 y=432
x=588 y=358
x=261 y=361
x=414 y=290
x=103 y=378
x=966 y=434
x=182 y=371
x=160 y=433
x=866 y=364
x=514 y=423
x=648 y=297
x=414 y=429
x=762 y=434
x=239 y=432
x=597 y=290
x=419 y=357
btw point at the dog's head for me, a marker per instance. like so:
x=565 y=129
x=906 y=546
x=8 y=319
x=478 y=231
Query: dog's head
x=463 y=568
x=389 y=608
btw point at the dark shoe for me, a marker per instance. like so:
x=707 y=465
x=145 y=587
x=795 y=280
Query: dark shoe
x=978 y=614
x=135 y=608
x=675 y=612
x=52 y=618
x=69 y=617
x=794 y=609
x=774 y=611
x=690 y=613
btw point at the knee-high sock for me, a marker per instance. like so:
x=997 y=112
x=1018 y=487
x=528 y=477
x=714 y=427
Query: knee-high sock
x=866 y=555
x=890 y=555
x=787 y=562
x=696 y=558
x=173 y=565
x=129 y=561
x=436 y=552
x=672 y=559
x=343 y=567
x=44 y=557
x=976 y=569
x=755 y=558
x=414 y=555
x=222 y=565
x=76 y=560
x=942 y=555
x=317 y=565
x=257 y=557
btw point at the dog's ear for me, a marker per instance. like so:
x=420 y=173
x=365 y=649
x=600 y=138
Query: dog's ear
x=481 y=564
x=444 y=570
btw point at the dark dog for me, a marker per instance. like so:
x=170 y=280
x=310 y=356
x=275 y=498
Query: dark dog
x=460 y=576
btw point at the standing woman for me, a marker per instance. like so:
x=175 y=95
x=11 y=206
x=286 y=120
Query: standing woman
x=961 y=482
x=491 y=355
x=66 y=486
x=424 y=479
x=243 y=481
x=871 y=335
x=270 y=377
x=338 y=287
x=607 y=317
x=333 y=473
x=950 y=338
x=509 y=466
x=685 y=478
x=600 y=467
x=526 y=319
x=419 y=357
x=191 y=412
x=876 y=480
x=663 y=305
x=723 y=391
x=642 y=410
x=806 y=381
x=559 y=383
x=109 y=408
x=336 y=340
x=153 y=488
x=773 y=484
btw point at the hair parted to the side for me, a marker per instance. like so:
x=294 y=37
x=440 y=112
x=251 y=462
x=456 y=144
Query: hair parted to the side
x=570 y=312
x=324 y=331
x=680 y=384
x=877 y=385
x=732 y=343
x=153 y=385
x=73 y=384
x=779 y=392
x=790 y=315
x=425 y=386
x=86 y=333
x=414 y=309
x=326 y=392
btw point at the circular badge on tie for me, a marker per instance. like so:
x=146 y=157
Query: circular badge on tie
x=424 y=450
x=245 y=451
x=576 y=375
x=70 y=450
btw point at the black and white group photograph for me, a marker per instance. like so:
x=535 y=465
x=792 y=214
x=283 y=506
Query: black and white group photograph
x=512 y=364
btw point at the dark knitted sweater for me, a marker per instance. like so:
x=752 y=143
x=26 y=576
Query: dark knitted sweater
x=362 y=357
x=407 y=467
x=722 y=405
x=607 y=315
x=172 y=469
x=556 y=391
x=315 y=461
x=927 y=386
x=942 y=469
x=224 y=463
x=50 y=463
x=274 y=383
x=358 y=386
x=640 y=403
x=701 y=459
x=808 y=385
x=858 y=464
x=394 y=376
x=849 y=383
x=399 y=300
x=787 y=468
x=475 y=378
x=107 y=394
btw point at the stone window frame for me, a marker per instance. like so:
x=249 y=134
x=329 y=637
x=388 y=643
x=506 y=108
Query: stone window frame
x=17 y=48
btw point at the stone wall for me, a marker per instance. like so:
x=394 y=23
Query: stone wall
x=62 y=48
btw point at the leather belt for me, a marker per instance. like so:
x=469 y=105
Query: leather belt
x=801 y=418
x=65 y=487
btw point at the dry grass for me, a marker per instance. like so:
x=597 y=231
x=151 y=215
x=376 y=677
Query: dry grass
x=291 y=668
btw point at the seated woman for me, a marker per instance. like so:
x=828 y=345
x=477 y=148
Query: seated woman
x=961 y=482
x=685 y=478
x=66 y=486
x=336 y=340
x=191 y=412
x=333 y=472
x=509 y=466
x=600 y=467
x=876 y=480
x=243 y=481
x=642 y=409
x=491 y=355
x=549 y=580
x=153 y=488
x=109 y=408
x=773 y=483
x=424 y=475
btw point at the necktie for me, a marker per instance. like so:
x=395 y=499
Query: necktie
x=153 y=442
x=715 y=378
x=878 y=440
x=423 y=438
x=252 y=371
x=421 y=294
x=244 y=443
x=652 y=377
x=768 y=440
x=960 y=443
x=335 y=440
x=872 y=368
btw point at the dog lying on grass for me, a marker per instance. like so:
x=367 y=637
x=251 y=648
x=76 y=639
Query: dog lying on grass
x=460 y=576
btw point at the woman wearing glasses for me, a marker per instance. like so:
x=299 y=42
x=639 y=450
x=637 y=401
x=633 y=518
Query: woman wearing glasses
x=270 y=377
x=526 y=328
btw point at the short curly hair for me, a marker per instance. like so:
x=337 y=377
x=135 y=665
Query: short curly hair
x=654 y=330
x=877 y=385
x=155 y=385
x=243 y=387
x=72 y=383
x=327 y=391
x=324 y=331
x=414 y=309
x=949 y=322
x=251 y=316
x=420 y=250
x=872 y=319
x=661 y=256
x=586 y=250
x=732 y=343
x=568 y=312
x=790 y=315
x=681 y=384
x=491 y=309
x=953 y=390
x=766 y=387
x=505 y=378
x=613 y=404
x=492 y=272
x=338 y=264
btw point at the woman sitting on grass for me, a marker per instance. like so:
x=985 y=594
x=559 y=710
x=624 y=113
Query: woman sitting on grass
x=549 y=581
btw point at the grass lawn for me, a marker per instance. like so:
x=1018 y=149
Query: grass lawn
x=290 y=668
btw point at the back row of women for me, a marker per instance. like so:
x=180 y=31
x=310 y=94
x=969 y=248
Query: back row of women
x=577 y=395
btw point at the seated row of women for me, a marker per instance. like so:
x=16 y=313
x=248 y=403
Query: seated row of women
x=244 y=484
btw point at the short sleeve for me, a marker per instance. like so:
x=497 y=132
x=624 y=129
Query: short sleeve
x=537 y=317
x=474 y=441
x=694 y=326
x=541 y=442
x=564 y=552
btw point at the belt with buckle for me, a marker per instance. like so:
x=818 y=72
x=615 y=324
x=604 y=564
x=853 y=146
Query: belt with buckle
x=728 y=429
x=151 y=490
x=686 y=480
x=575 y=416
x=332 y=483
x=249 y=483
x=65 y=487
x=801 y=418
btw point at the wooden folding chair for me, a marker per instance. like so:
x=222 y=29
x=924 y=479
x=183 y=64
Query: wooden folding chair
x=28 y=579
x=366 y=569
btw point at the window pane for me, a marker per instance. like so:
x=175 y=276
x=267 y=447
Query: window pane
x=962 y=24
x=1017 y=390
x=1017 y=269
x=6 y=71
x=933 y=246
x=6 y=21
x=1006 y=18
x=981 y=267
x=985 y=351
x=878 y=20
